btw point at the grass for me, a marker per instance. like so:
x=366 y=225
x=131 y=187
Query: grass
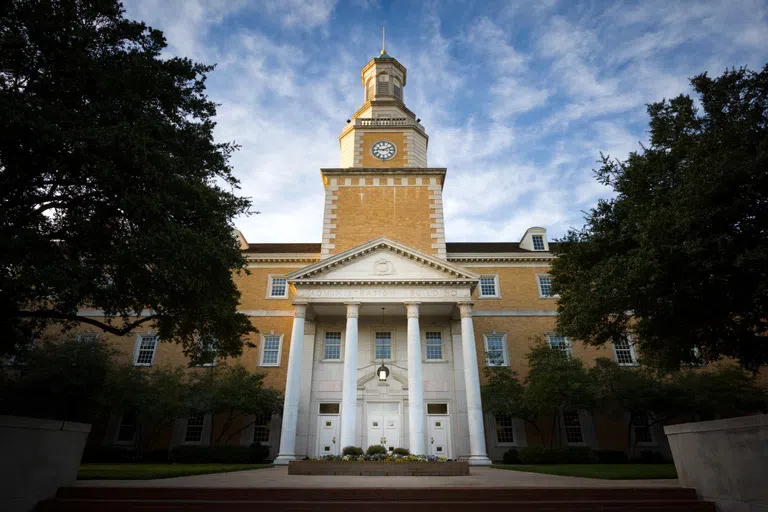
x=603 y=471
x=138 y=471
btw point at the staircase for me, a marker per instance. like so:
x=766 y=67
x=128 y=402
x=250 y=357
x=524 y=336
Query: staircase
x=118 y=499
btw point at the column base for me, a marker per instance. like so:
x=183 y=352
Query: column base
x=478 y=460
x=283 y=460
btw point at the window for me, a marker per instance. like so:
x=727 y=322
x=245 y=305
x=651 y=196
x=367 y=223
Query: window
x=383 y=345
x=382 y=87
x=494 y=350
x=572 y=425
x=625 y=353
x=194 y=432
x=434 y=346
x=538 y=242
x=437 y=408
x=261 y=428
x=145 y=350
x=126 y=429
x=87 y=337
x=332 y=408
x=545 y=286
x=209 y=352
x=278 y=288
x=489 y=286
x=561 y=344
x=641 y=427
x=398 y=89
x=333 y=346
x=270 y=351
x=505 y=431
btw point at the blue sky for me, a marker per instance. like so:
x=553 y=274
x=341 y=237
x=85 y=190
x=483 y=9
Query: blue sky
x=518 y=98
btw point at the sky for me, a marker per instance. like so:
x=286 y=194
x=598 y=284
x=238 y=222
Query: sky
x=519 y=98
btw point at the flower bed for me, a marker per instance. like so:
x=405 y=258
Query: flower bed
x=409 y=465
x=378 y=457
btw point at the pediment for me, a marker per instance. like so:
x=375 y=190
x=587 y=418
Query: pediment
x=383 y=260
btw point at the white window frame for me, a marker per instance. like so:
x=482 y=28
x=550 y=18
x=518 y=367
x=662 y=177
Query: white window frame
x=269 y=287
x=566 y=340
x=538 y=284
x=268 y=426
x=653 y=441
x=202 y=429
x=583 y=441
x=212 y=363
x=391 y=344
x=496 y=286
x=137 y=346
x=442 y=346
x=117 y=440
x=504 y=352
x=263 y=346
x=632 y=351
x=341 y=346
x=543 y=243
x=511 y=427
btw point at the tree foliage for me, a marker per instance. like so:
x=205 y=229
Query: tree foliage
x=115 y=195
x=680 y=254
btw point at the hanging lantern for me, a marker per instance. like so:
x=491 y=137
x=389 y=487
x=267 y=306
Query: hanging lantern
x=383 y=373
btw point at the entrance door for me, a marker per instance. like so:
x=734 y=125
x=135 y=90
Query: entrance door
x=438 y=436
x=327 y=435
x=383 y=425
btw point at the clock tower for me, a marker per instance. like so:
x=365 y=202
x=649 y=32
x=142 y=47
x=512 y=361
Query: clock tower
x=383 y=186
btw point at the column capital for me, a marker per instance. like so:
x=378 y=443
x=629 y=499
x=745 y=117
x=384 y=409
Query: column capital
x=465 y=308
x=300 y=309
x=353 y=309
x=412 y=308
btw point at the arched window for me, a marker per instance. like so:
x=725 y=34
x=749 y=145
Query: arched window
x=397 y=88
x=369 y=91
x=382 y=85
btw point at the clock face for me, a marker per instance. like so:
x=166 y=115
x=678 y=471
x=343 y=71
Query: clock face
x=383 y=150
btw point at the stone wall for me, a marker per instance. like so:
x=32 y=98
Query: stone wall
x=725 y=460
x=38 y=457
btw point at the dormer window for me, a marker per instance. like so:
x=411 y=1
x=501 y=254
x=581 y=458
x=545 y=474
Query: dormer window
x=535 y=239
x=538 y=242
x=382 y=85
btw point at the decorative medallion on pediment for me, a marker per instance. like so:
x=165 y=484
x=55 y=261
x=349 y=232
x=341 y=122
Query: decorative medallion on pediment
x=383 y=267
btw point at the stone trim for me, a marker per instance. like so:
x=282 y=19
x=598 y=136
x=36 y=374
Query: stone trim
x=329 y=220
x=514 y=312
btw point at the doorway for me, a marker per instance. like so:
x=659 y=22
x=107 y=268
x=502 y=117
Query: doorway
x=328 y=429
x=439 y=430
x=383 y=425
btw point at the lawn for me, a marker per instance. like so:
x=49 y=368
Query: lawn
x=604 y=471
x=130 y=471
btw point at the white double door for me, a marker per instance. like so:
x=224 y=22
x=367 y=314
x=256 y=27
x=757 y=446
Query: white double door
x=383 y=425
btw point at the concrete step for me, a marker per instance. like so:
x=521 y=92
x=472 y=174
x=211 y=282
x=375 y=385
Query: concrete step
x=119 y=499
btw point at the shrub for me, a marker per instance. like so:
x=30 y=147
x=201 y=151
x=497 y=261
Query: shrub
x=355 y=451
x=578 y=455
x=511 y=456
x=376 y=448
x=401 y=451
x=611 y=456
x=109 y=454
x=539 y=455
x=649 y=457
x=259 y=452
x=223 y=454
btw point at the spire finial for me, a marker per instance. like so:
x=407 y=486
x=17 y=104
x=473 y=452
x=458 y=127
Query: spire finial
x=383 y=47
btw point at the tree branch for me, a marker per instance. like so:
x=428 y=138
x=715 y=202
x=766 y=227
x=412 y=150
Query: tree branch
x=57 y=315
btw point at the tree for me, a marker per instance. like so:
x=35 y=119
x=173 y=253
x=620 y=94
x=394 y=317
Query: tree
x=556 y=383
x=59 y=380
x=504 y=395
x=680 y=255
x=115 y=195
x=232 y=393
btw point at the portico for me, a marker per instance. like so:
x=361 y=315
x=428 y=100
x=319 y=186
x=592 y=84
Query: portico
x=383 y=302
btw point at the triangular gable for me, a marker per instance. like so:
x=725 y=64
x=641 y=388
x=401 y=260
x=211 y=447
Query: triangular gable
x=383 y=260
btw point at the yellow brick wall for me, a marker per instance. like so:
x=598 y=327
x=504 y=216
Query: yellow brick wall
x=401 y=213
x=398 y=139
x=519 y=289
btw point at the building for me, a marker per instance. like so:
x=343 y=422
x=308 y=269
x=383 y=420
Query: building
x=384 y=288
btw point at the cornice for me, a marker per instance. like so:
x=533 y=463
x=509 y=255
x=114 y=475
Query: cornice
x=282 y=258
x=498 y=257
x=384 y=103
x=432 y=171
x=377 y=282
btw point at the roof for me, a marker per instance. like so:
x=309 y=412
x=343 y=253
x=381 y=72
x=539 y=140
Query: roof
x=451 y=247
x=283 y=248
x=469 y=247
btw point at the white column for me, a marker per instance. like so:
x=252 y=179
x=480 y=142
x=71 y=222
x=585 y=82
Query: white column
x=415 y=382
x=478 y=455
x=292 y=388
x=349 y=381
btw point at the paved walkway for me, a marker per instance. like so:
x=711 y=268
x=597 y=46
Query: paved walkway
x=278 y=477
